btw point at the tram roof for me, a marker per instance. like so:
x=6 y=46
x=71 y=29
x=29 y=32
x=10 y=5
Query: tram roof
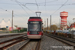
x=35 y=18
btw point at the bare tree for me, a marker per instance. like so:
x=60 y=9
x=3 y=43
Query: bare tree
x=16 y=26
x=53 y=27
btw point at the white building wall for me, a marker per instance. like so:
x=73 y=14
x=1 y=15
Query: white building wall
x=3 y=24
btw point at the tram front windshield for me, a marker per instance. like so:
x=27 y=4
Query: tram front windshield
x=34 y=26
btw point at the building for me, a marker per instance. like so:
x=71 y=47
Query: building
x=4 y=24
x=63 y=16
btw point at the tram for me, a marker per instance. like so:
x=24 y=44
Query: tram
x=34 y=28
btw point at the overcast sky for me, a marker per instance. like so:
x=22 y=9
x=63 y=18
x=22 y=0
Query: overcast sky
x=23 y=9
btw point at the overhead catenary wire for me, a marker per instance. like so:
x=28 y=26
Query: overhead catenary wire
x=57 y=10
x=3 y=9
x=24 y=5
x=8 y=11
x=45 y=6
x=31 y=4
x=35 y=1
x=37 y=5
x=47 y=2
x=60 y=7
x=27 y=8
x=40 y=4
x=19 y=3
x=21 y=6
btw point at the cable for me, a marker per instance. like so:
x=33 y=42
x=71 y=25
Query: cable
x=60 y=7
x=8 y=3
x=3 y=9
x=27 y=7
x=30 y=4
x=7 y=11
x=48 y=2
x=37 y=5
x=21 y=6
x=45 y=6
x=45 y=2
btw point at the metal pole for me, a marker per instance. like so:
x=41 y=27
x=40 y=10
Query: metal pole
x=12 y=20
x=47 y=23
x=50 y=20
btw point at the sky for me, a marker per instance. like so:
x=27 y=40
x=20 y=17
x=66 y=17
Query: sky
x=23 y=9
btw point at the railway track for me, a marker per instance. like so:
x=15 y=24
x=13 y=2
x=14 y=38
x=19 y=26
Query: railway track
x=68 y=41
x=32 y=45
x=12 y=41
x=38 y=45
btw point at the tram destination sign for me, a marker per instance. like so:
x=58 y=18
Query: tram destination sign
x=34 y=22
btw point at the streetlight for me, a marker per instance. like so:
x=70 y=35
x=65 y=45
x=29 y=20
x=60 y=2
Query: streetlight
x=12 y=21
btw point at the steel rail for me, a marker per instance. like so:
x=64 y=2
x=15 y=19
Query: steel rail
x=68 y=42
x=38 y=45
x=11 y=41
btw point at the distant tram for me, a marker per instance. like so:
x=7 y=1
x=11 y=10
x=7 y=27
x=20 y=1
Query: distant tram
x=34 y=28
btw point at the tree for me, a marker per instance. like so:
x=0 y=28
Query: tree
x=16 y=26
x=53 y=27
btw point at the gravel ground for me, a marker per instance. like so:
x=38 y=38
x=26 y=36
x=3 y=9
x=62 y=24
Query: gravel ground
x=30 y=46
x=48 y=43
